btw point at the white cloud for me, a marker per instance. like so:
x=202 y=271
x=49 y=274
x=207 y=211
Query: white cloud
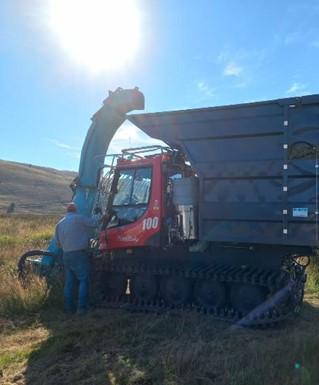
x=232 y=69
x=61 y=144
x=204 y=88
x=292 y=37
x=242 y=66
x=73 y=152
x=296 y=88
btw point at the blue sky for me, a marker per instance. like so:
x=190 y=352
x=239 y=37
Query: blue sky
x=189 y=55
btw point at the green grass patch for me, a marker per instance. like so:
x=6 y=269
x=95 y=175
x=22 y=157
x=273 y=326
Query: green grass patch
x=16 y=357
x=312 y=285
x=42 y=236
x=8 y=241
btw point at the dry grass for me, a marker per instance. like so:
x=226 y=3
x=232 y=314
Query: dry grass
x=17 y=299
x=313 y=275
x=21 y=233
x=39 y=345
x=17 y=235
x=114 y=347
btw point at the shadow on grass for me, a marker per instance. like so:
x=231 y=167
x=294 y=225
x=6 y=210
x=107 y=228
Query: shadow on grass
x=86 y=350
x=115 y=347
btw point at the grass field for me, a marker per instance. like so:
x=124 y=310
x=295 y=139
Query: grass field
x=40 y=345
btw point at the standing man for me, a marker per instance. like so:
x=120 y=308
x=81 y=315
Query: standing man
x=72 y=234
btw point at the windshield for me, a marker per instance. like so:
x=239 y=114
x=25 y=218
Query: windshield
x=132 y=196
x=133 y=187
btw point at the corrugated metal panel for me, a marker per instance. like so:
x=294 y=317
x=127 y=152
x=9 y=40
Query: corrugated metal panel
x=250 y=180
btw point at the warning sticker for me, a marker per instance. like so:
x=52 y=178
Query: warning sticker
x=300 y=212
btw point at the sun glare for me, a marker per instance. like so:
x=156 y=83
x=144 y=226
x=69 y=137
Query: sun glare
x=98 y=34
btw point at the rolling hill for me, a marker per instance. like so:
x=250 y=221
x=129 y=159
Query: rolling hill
x=33 y=189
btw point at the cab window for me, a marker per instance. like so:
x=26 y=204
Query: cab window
x=132 y=196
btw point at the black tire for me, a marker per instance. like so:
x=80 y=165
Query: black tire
x=27 y=265
x=113 y=285
x=144 y=287
x=175 y=291
x=209 y=293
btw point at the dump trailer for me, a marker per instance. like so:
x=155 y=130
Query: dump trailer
x=222 y=220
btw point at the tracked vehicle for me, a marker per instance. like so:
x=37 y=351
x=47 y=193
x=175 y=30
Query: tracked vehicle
x=222 y=220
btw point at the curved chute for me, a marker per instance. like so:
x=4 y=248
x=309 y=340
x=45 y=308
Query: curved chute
x=105 y=123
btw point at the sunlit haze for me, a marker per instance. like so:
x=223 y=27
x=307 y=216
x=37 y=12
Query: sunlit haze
x=99 y=34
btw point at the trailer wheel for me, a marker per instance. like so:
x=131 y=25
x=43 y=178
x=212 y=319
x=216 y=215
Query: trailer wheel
x=143 y=287
x=209 y=293
x=175 y=291
x=245 y=297
x=31 y=262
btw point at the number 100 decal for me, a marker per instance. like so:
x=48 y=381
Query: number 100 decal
x=150 y=223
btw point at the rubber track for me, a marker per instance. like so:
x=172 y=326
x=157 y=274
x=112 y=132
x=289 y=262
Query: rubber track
x=284 y=286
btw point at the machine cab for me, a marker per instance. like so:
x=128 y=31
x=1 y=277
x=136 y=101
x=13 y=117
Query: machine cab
x=136 y=200
x=152 y=200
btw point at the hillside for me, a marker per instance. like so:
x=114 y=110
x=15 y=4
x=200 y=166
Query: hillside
x=33 y=189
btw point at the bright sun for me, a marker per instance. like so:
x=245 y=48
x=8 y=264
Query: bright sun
x=99 y=34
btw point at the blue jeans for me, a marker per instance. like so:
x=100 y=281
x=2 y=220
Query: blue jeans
x=76 y=267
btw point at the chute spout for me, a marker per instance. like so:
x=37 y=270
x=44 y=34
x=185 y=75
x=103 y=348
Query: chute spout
x=105 y=123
